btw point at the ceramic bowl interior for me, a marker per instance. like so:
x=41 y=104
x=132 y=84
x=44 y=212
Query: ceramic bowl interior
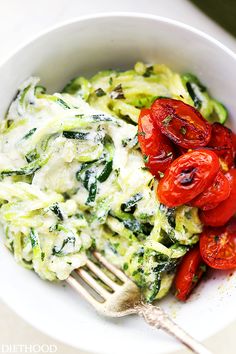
x=83 y=47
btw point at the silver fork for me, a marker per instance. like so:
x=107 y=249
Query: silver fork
x=124 y=298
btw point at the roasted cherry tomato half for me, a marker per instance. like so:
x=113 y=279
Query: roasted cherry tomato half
x=157 y=149
x=188 y=176
x=218 y=246
x=218 y=191
x=226 y=209
x=188 y=273
x=181 y=123
x=222 y=144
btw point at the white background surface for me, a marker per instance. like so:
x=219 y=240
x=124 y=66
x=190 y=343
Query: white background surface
x=22 y=19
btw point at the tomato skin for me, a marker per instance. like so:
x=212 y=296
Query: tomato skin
x=234 y=145
x=231 y=226
x=218 y=191
x=226 y=209
x=188 y=176
x=181 y=123
x=234 y=141
x=218 y=247
x=154 y=145
x=188 y=273
x=221 y=143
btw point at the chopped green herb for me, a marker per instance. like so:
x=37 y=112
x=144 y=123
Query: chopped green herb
x=117 y=93
x=112 y=248
x=125 y=266
x=12 y=246
x=30 y=132
x=167 y=120
x=59 y=251
x=101 y=118
x=151 y=182
x=141 y=133
x=177 y=292
x=117 y=172
x=9 y=122
x=42 y=256
x=99 y=92
x=52 y=228
x=188 y=214
x=195 y=279
x=57 y=211
x=79 y=216
x=145 y=158
x=130 y=142
x=149 y=71
x=183 y=130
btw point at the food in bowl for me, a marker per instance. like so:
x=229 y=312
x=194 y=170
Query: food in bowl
x=132 y=164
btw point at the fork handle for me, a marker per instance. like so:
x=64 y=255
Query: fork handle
x=157 y=318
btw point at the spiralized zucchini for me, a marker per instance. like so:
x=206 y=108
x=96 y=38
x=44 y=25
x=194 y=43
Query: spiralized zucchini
x=73 y=178
x=123 y=93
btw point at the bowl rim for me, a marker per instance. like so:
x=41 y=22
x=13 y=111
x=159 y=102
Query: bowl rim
x=97 y=16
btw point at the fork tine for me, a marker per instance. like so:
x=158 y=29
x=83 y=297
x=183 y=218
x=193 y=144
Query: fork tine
x=81 y=290
x=97 y=271
x=92 y=282
x=111 y=267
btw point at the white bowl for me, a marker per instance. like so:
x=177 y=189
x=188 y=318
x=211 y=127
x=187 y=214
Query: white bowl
x=85 y=46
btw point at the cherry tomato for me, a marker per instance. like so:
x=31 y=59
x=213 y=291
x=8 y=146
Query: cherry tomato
x=181 y=123
x=188 y=176
x=218 y=247
x=234 y=140
x=218 y=191
x=234 y=145
x=156 y=148
x=222 y=144
x=231 y=226
x=226 y=209
x=188 y=274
